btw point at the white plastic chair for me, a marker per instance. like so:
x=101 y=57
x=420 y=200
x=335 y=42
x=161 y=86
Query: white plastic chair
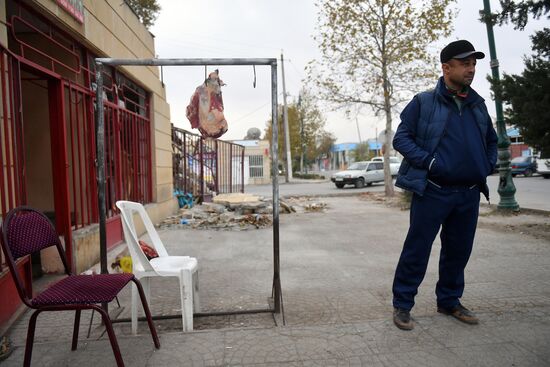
x=183 y=267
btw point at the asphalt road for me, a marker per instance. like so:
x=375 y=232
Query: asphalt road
x=531 y=192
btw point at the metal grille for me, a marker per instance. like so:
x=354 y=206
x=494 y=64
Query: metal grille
x=12 y=179
x=127 y=156
x=203 y=166
x=256 y=166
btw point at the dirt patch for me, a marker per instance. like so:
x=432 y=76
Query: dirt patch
x=401 y=200
x=535 y=224
x=526 y=222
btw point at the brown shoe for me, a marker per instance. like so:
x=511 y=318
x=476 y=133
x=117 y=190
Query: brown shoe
x=402 y=319
x=461 y=313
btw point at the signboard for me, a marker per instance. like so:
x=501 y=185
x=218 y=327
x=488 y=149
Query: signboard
x=73 y=7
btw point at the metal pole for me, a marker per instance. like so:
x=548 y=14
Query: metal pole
x=288 y=157
x=100 y=164
x=275 y=180
x=183 y=62
x=506 y=188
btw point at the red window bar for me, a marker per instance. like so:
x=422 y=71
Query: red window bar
x=202 y=166
x=12 y=180
x=80 y=126
x=46 y=48
x=40 y=49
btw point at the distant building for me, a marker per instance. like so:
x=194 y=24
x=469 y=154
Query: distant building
x=517 y=147
x=341 y=155
x=257 y=161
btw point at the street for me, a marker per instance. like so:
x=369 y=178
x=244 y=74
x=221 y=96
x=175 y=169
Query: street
x=531 y=192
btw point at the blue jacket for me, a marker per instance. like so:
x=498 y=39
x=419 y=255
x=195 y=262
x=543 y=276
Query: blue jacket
x=425 y=123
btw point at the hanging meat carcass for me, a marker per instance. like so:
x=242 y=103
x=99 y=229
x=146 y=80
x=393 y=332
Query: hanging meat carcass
x=205 y=110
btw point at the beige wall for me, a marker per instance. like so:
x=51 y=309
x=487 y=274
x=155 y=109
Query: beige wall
x=260 y=149
x=3 y=29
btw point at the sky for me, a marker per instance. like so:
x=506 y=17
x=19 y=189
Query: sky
x=264 y=29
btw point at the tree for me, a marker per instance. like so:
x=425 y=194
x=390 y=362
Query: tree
x=306 y=131
x=146 y=10
x=528 y=95
x=375 y=53
x=518 y=12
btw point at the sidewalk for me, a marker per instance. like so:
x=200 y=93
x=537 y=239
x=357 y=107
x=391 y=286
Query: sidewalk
x=336 y=269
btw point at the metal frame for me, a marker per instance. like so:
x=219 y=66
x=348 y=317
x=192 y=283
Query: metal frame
x=100 y=140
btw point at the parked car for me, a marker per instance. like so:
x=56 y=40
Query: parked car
x=395 y=163
x=543 y=167
x=359 y=174
x=526 y=166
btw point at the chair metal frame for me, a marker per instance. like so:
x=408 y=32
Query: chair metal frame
x=77 y=307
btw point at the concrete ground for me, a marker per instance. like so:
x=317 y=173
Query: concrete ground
x=337 y=269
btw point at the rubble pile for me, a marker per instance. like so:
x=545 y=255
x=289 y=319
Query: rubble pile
x=236 y=212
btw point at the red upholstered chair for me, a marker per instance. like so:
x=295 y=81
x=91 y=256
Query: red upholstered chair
x=26 y=231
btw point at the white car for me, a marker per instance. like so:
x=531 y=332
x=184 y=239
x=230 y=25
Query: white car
x=543 y=167
x=359 y=174
x=395 y=163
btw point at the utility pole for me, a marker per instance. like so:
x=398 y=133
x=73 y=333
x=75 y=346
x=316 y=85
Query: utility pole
x=506 y=188
x=301 y=132
x=288 y=158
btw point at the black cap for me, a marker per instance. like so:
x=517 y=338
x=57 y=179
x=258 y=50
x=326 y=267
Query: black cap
x=459 y=50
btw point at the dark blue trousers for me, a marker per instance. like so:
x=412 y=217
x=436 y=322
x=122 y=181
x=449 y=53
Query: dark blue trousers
x=455 y=210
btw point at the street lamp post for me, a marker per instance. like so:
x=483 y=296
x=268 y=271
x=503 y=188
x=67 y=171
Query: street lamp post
x=506 y=188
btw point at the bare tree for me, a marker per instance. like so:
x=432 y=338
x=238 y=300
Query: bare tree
x=376 y=53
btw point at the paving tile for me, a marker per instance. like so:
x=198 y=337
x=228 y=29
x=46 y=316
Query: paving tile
x=453 y=333
x=328 y=342
x=427 y=357
x=189 y=349
x=382 y=337
x=257 y=346
x=498 y=355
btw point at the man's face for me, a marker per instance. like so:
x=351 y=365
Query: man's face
x=459 y=73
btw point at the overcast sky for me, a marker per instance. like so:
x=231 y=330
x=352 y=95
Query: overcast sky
x=262 y=28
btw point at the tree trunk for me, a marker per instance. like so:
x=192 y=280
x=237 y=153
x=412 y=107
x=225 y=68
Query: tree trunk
x=388 y=181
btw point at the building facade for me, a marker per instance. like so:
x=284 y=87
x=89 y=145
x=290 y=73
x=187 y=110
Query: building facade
x=257 y=161
x=47 y=124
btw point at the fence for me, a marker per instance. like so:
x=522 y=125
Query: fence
x=204 y=166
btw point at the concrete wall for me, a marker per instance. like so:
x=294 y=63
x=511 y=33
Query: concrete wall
x=3 y=29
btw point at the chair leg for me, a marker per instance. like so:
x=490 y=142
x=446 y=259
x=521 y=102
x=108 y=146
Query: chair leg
x=134 y=310
x=112 y=336
x=75 y=330
x=186 y=294
x=30 y=339
x=147 y=313
x=196 y=297
x=146 y=287
x=90 y=326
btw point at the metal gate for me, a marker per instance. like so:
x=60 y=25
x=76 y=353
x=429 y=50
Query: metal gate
x=204 y=166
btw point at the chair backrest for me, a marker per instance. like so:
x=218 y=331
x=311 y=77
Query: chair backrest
x=127 y=211
x=24 y=232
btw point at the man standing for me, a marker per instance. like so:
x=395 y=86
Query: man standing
x=450 y=147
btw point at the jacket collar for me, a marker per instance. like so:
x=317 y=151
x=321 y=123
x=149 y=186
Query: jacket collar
x=441 y=90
